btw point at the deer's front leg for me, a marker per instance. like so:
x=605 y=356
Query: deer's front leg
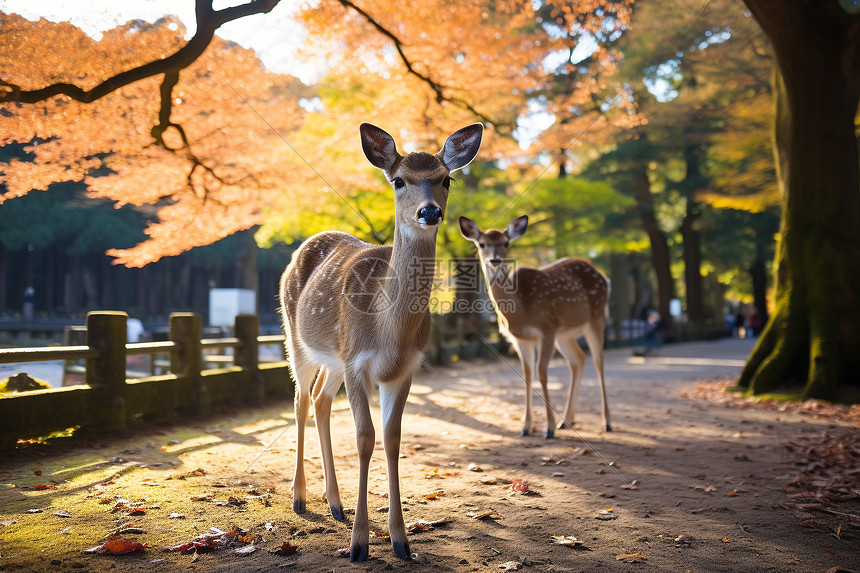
x=392 y=398
x=547 y=346
x=365 y=438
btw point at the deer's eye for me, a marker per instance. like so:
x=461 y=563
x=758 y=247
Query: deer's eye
x=398 y=183
x=481 y=245
x=446 y=183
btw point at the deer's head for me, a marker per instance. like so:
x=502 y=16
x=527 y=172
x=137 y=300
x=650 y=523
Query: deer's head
x=420 y=180
x=493 y=244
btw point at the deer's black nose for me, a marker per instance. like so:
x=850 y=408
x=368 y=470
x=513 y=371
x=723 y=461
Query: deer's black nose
x=495 y=262
x=430 y=215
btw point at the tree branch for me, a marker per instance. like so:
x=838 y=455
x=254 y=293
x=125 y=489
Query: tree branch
x=439 y=89
x=208 y=20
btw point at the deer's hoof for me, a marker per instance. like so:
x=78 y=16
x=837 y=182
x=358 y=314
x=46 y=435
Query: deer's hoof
x=608 y=428
x=358 y=553
x=549 y=434
x=401 y=550
x=299 y=506
x=337 y=513
x=525 y=432
x=565 y=426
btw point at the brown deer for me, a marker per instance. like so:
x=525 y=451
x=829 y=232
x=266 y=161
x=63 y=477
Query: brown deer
x=357 y=314
x=539 y=309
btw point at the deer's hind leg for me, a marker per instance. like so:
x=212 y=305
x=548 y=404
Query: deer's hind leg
x=326 y=387
x=303 y=372
x=568 y=346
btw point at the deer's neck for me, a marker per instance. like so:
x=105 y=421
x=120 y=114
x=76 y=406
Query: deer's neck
x=502 y=289
x=411 y=269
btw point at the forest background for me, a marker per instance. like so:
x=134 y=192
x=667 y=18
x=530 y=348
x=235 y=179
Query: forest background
x=146 y=164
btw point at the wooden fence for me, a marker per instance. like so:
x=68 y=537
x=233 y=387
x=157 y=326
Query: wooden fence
x=108 y=398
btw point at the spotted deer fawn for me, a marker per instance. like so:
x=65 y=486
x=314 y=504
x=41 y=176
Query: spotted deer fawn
x=539 y=309
x=357 y=314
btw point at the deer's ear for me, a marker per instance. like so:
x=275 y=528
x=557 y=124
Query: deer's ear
x=378 y=146
x=461 y=147
x=517 y=228
x=469 y=228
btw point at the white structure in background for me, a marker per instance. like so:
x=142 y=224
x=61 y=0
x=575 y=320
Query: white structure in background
x=226 y=303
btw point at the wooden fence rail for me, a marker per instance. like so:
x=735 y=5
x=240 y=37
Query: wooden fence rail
x=108 y=398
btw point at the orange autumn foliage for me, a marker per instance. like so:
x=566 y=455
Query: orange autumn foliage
x=200 y=192
x=238 y=149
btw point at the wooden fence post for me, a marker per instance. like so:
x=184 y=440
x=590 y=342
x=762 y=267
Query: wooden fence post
x=186 y=330
x=106 y=333
x=247 y=328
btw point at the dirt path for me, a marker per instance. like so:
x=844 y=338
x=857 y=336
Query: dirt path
x=679 y=485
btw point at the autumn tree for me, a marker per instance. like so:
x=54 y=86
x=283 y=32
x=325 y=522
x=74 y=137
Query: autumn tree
x=686 y=69
x=812 y=340
x=205 y=161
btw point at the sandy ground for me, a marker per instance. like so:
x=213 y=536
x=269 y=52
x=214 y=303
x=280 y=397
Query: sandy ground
x=681 y=484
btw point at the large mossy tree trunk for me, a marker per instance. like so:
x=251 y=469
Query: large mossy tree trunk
x=812 y=341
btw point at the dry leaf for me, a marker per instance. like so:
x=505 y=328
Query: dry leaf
x=286 y=548
x=424 y=525
x=488 y=514
x=246 y=550
x=117 y=546
x=568 y=540
x=732 y=493
x=510 y=565
x=705 y=488
x=520 y=486
x=636 y=556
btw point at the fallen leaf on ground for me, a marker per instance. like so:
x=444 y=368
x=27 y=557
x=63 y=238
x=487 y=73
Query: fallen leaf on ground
x=424 y=525
x=636 y=556
x=568 y=540
x=435 y=494
x=216 y=540
x=194 y=473
x=510 y=565
x=245 y=550
x=732 y=493
x=705 y=488
x=520 y=486
x=286 y=548
x=606 y=515
x=488 y=514
x=474 y=468
x=118 y=546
